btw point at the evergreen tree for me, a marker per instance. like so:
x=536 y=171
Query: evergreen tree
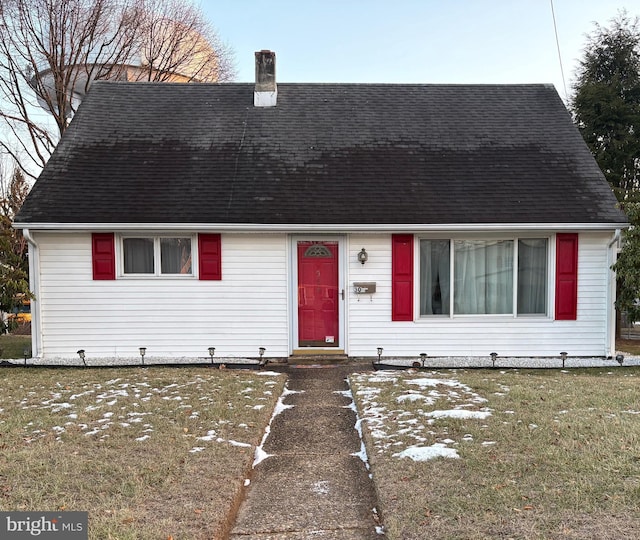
x=606 y=109
x=606 y=102
x=628 y=266
x=14 y=264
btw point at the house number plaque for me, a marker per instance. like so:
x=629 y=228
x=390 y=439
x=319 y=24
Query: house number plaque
x=364 y=287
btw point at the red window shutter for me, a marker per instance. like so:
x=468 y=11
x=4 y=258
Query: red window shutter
x=210 y=256
x=402 y=277
x=566 y=277
x=103 y=249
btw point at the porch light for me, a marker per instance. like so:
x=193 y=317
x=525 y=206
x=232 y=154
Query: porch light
x=363 y=256
x=82 y=356
x=563 y=355
x=212 y=351
x=493 y=355
x=380 y=349
x=423 y=358
x=620 y=358
x=143 y=351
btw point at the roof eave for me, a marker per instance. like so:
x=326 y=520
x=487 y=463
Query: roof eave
x=320 y=227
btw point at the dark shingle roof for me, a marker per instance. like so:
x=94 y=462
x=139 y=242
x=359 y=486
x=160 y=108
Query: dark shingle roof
x=326 y=154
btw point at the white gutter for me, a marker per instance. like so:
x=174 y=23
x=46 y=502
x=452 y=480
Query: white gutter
x=612 y=255
x=34 y=284
x=315 y=227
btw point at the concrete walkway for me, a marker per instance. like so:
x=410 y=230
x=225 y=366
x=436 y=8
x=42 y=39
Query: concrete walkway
x=311 y=486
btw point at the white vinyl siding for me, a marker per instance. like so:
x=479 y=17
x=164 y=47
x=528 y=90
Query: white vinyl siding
x=246 y=310
x=251 y=306
x=370 y=324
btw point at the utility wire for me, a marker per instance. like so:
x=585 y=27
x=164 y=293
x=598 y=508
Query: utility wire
x=555 y=29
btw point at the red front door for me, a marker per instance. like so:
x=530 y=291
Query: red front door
x=318 y=304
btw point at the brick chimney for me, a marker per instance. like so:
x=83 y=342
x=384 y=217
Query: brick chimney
x=266 y=91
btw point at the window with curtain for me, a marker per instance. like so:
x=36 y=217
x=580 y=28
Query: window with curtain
x=532 y=276
x=175 y=255
x=480 y=276
x=138 y=255
x=157 y=256
x=435 y=261
x=483 y=274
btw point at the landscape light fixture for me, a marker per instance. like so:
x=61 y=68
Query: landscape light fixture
x=82 y=356
x=619 y=358
x=423 y=358
x=363 y=256
x=493 y=355
x=563 y=355
x=212 y=351
x=263 y=362
x=143 y=351
x=26 y=355
x=380 y=349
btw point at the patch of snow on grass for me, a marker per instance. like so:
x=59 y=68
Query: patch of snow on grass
x=425 y=453
x=211 y=434
x=240 y=444
x=414 y=397
x=60 y=406
x=411 y=426
x=459 y=414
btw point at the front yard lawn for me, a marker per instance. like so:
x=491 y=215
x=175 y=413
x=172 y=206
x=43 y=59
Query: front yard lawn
x=149 y=452
x=479 y=454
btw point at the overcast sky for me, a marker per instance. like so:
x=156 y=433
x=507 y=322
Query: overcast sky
x=413 y=41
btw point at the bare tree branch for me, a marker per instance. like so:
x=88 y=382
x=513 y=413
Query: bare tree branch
x=52 y=50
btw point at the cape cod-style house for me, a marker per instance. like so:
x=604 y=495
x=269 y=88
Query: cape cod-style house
x=454 y=220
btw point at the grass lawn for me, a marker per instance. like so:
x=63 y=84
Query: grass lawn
x=458 y=454
x=504 y=454
x=149 y=452
x=630 y=346
x=14 y=346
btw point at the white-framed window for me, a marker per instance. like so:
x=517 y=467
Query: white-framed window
x=144 y=255
x=484 y=276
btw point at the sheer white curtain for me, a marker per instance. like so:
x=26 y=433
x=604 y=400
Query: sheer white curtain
x=175 y=255
x=138 y=255
x=435 y=277
x=532 y=276
x=483 y=273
